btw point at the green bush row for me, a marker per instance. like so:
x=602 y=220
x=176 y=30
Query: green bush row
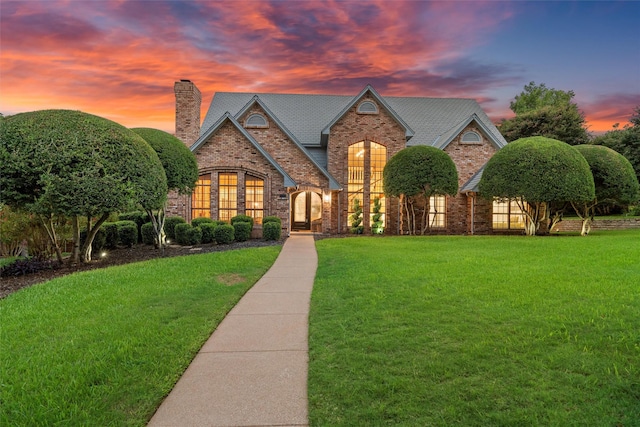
x=212 y=231
x=113 y=234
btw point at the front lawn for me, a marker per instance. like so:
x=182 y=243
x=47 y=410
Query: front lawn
x=104 y=347
x=477 y=331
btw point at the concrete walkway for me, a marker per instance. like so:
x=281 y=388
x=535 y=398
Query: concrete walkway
x=253 y=369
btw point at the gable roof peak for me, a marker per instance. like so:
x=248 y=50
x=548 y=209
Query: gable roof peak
x=367 y=89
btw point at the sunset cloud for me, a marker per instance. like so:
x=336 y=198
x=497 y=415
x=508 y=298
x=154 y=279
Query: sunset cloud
x=119 y=59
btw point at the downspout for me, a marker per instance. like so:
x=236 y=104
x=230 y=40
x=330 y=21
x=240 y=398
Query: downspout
x=339 y=214
x=471 y=194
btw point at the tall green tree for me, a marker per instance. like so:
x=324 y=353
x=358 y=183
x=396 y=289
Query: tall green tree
x=414 y=174
x=61 y=162
x=625 y=141
x=180 y=167
x=614 y=178
x=537 y=172
x=548 y=112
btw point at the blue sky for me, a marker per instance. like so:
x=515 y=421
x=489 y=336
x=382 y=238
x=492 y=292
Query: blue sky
x=119 y=59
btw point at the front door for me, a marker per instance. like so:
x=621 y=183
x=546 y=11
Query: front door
x=307 y=208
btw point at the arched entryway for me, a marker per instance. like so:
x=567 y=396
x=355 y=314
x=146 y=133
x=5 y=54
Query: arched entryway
x=306 y=210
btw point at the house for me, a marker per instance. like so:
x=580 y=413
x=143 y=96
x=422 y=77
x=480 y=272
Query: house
x=306 y=158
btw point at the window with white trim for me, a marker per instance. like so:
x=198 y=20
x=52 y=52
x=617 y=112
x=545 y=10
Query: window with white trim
x=256 y=121
x=471 y=137
x=367 y=107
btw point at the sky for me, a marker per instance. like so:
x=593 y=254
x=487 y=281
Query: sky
x=119 y=59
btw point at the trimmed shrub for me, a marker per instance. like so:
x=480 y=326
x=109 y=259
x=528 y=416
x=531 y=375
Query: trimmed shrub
x=268 y=219
x=271 y=230
x=140 y=218
x=127 y=233
x=242 y=218
x=148 y=234
x=181 y=231
x=194 y=236
x=208 y=232
x=170 y=224
x=219 y=222
x=224 y=234
x=242 y=231
x=111 y=235
x=197 y=222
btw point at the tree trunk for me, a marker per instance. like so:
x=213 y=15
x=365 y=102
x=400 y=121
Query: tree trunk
x=400 y=205
x=158 y=227
x=53 y=238
x=75 y=251
x=85 y=255
x=586 y=213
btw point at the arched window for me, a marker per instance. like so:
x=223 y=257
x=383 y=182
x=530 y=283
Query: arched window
x=256 y=121
x=471 y=137
x=367 y=107
x=366 y=161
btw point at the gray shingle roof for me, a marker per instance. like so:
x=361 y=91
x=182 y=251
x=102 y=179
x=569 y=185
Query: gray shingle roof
x=305 y=116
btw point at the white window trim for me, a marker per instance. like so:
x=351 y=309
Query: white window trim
x=471 y=132
x=256 y=126
x=367 y=102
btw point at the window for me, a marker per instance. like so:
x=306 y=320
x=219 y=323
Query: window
x=256 y=121
x=365 y=184
x=228 y=196
x=355 y=187
x=367 y=107
x=201 y=198
x=471 y=137
x=437 y=211
x=254 y=198
x=507 y=215
x=378 y=159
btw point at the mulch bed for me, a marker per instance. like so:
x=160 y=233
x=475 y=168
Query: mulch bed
x=122 y=256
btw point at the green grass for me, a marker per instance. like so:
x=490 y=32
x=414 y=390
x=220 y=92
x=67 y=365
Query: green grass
x=103 y=348
x=476 y=331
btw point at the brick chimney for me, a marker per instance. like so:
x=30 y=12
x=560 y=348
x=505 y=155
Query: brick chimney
x=188 y=100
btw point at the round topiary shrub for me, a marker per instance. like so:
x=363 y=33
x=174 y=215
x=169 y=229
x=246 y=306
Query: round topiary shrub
x=224 y=234
x=271 y=231
x=148 y=234
x=194 y=236
x=242 y=231
x=208 y=232
x=127 y=233
x=170 y=225
x=268 y=219
x=111 y=235
x=197 y=222
x=242 y=218
x=181 y=231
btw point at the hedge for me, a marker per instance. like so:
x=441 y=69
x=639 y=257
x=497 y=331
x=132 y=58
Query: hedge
x=148 y=234
x=224 y=234
x=208 y=232
x=127 y=233
x=242 y=231
x=242 y=218
x=170 y=224
x=197 y=222
x=271 y=231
